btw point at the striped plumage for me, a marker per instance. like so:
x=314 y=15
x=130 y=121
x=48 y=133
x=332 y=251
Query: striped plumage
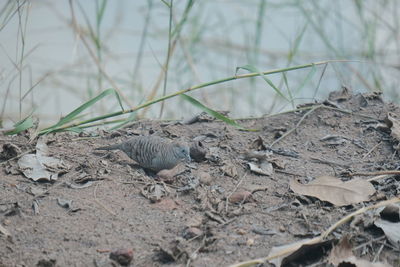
x=152 y=152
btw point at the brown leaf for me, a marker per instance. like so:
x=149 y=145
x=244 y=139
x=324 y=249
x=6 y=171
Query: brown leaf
x=334 y=190
x=282 y=255
x=342 y=254
x=341 y=251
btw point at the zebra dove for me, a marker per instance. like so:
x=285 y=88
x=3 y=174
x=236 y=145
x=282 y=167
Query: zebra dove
x=153 y=152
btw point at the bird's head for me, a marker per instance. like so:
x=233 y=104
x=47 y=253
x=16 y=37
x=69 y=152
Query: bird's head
x=182 y=152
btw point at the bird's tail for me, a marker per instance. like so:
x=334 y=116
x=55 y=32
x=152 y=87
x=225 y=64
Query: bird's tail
x=112 y=147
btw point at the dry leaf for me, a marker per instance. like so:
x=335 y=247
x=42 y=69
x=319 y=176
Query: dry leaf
x=229 y=169
x=334 y=190
x=341 y=251
x=264 y=168
x=284 y=254
x=391 y=230
x=39 y=166
x=342 y=254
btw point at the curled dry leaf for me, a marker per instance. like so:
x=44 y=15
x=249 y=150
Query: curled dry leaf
x=335 y=191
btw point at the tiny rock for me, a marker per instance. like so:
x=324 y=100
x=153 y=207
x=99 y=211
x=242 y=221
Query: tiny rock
x=204 y=178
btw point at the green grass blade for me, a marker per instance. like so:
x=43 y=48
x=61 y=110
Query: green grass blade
x=213 y=113
x=21 y=126
x=254 y=69
x=131 y=117
x=73 y=114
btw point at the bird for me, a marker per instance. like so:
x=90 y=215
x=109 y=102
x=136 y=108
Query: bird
x=153 y=152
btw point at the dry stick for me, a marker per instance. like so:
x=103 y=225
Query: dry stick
x=389 y=172
x=233 y=191
x=378 y=177
x=297 y=125
x=372 y=149
x=101 y=204
x=379 y=252
x=203 y=242
x=319 y=238
x=357 y=212
x=92 y=54
x=313 y=109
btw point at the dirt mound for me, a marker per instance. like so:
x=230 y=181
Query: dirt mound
x=232 y=204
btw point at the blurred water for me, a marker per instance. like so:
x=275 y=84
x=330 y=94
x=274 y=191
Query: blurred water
x=217 y=37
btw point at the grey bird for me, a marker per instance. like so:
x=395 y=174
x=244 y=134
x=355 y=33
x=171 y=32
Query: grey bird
x=152 y=152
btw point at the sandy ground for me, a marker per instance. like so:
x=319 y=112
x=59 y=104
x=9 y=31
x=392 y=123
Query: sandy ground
x=215 y=211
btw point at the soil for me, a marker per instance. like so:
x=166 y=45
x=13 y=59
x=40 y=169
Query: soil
x=213 y=211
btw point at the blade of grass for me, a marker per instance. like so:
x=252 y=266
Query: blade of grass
x=213 y=113
x=21 y=126
x=196 y=87
x=131 y=117
x=73 y=115
x=254 y=69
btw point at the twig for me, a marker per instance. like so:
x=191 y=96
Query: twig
x=233 y=191
x=324 y=161
x=318 y=239
x=388 y=172
x=203 y=242
x=372 y=149
x=378 y=177
x=297 y=125
x=379 y=252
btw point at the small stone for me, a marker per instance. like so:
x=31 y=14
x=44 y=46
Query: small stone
x=250 y=242
x=204 y=178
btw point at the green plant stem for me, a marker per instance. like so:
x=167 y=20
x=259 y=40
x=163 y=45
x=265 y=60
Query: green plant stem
x=151 y=102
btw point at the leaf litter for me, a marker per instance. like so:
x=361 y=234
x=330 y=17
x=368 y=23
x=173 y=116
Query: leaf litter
x=216 y=211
